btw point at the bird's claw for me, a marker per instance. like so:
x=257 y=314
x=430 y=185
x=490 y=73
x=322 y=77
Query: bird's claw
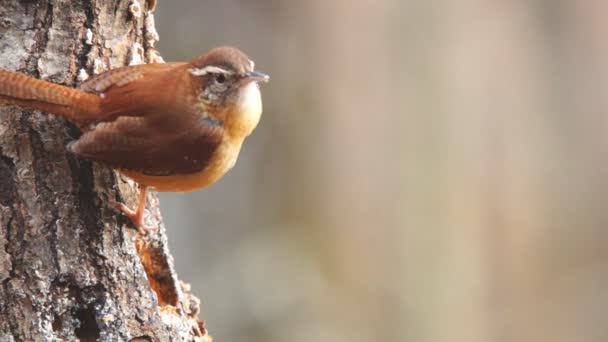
x=137 y=217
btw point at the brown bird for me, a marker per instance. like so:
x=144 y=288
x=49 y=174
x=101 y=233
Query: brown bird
x=171 y=127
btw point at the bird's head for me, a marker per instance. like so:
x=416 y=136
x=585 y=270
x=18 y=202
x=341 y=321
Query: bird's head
x=229 y=85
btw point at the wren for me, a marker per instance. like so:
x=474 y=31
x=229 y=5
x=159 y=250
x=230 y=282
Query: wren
x=168 y=126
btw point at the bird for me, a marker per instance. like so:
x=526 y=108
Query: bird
x=171 y=127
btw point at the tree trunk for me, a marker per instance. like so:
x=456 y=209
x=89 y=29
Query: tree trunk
x=71 y=268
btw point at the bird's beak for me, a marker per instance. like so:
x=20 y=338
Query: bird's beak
x=256 y=76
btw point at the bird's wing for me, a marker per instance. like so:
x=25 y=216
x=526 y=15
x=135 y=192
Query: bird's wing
x=124 y=75
x=132 y=143
x=143 y=127
x=137 y=90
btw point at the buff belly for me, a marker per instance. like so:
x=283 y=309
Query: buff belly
x=222 y=161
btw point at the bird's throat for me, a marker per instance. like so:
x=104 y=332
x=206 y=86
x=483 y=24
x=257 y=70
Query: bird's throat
x=247 y=111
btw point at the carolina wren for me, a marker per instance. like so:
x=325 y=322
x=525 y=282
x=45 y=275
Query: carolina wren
x=171 y=127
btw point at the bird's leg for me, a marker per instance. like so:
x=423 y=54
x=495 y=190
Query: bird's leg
x=137 y=216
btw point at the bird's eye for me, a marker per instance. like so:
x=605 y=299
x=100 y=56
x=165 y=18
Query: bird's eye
x=220 y=78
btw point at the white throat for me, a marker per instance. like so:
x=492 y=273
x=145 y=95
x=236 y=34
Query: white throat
x=250 y=107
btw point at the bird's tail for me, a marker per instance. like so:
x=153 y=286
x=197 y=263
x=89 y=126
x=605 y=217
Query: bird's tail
x=24 y=91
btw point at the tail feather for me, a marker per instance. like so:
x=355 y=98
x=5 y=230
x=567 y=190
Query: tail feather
x=75 y=105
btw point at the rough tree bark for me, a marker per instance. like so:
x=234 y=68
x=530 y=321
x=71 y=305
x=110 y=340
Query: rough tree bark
x=71 y=268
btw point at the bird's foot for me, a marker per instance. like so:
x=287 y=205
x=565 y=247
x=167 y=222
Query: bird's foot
x=137 y=217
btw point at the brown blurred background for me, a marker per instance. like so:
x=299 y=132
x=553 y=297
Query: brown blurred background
x=423 y=171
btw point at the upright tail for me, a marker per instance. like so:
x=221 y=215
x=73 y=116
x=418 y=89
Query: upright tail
x=24 y=91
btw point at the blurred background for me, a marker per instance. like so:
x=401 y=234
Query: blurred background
x=423 y=171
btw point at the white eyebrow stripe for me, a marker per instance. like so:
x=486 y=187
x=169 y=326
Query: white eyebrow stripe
x=209 y=69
